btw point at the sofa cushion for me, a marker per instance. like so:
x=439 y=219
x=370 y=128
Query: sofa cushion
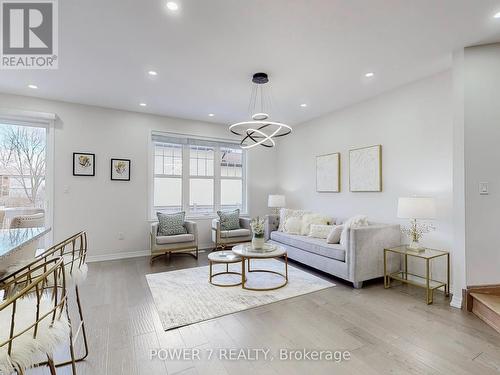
x=176 y=238
x=309 y=219
x=229 y=220
x=311 y=245
x=171 y=224
x=242 y=232
x=292 y=225
x=334 y=235
x=320 y=231
x=286 y=213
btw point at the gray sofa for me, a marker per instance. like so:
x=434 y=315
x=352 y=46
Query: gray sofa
x=361 y=259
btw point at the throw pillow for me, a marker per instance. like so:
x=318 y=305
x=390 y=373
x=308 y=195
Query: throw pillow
x=334 y=235
x=353 y=222
x=229 y=220
x=286 y=213
x=171 y=224
x=309 y=219
x=320 y=231
x=292 y=225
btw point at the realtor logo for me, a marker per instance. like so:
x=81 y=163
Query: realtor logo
x=29 y=34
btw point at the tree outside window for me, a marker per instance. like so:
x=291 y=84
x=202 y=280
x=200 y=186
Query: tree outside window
x=22 y=166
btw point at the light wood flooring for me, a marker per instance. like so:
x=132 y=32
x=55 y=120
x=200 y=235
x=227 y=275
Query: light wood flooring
x=386 y=331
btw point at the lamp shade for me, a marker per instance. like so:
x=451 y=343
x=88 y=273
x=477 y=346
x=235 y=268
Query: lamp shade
x=416 y=208
x=276 y=201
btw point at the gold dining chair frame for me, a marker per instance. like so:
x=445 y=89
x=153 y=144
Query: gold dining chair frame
x=73 y=251
x=37 y=280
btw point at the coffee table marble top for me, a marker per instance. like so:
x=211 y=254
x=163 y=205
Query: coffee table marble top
x=272 y=251
x=224 y=257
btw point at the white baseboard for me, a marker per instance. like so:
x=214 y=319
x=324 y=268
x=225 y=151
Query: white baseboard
x=116 y=256
x=132 y=254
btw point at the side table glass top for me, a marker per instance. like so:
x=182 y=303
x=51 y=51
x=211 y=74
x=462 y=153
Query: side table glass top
x=426 y=253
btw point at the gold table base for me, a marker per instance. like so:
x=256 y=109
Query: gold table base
x=243 y=274
x=226 y=272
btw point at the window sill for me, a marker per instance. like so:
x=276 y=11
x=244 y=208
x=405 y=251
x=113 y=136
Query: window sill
x=201 y=217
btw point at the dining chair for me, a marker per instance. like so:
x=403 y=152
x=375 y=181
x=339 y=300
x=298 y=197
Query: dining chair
x=34 y=317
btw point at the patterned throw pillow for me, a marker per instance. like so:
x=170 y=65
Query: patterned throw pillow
x=320 y=231
x=171 y=224
x=286 y=213
x=229 y=220
x=309 y=219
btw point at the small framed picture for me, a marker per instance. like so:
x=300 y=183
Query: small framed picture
x=83 y=164
x=120 y=169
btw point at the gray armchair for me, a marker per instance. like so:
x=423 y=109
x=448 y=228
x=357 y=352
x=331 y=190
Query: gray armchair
x=224 y=238
x=175 y=244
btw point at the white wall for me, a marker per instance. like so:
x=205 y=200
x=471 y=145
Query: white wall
x=104 y=207
x=458 y=259
x=414 y=126
x=482 y=160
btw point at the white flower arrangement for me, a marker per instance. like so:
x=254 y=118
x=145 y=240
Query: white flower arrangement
x=257 y=225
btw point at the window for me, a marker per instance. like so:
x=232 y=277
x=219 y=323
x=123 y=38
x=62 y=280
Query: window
x=201 y=179
x=168 y=177
x=197 y=176
x=22 y=170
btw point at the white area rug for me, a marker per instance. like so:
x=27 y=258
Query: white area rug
x=185 y=296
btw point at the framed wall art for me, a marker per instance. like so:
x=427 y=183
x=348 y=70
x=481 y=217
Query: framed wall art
x=120 y=169
x=83 y=164
x=365 y=169
x=328 y=173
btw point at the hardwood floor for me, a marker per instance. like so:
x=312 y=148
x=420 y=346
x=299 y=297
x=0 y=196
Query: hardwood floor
x=386 y=331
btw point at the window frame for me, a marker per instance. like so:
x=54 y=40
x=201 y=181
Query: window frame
x=183 y=141
x=45 y=120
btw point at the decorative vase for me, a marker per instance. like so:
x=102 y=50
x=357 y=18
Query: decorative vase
x=258 y=242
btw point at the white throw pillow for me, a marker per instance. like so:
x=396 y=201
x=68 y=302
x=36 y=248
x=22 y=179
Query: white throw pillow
x=292 y=225
x=319 y=231
x=308 y=219
x=286 y=213
x=334 y=235
x=353 y=222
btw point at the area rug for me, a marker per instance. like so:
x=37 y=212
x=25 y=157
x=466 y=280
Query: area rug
x=185 y=296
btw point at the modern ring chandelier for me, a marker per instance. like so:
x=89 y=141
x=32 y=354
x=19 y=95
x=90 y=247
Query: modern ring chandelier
x=260 y=130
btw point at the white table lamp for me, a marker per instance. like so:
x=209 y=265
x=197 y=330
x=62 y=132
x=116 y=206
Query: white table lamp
x=415 y=208
x=276 y=201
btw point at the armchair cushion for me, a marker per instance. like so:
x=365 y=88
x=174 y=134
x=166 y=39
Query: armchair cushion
x=171 y=224
x=175 y=238
x=242 y=232
x=229 y=220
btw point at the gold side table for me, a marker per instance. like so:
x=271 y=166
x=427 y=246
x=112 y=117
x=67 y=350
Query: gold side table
x=417 y=280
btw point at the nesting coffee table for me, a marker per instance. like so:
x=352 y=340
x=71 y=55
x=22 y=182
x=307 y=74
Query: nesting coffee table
x=247 y=253
x=222 y=257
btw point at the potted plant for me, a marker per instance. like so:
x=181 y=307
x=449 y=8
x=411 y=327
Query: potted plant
x=257 y=225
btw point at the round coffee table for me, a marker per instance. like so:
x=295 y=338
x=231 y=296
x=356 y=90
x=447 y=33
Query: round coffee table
x=246 y=252
x=223 y=257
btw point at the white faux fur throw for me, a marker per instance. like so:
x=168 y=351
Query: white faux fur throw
x=26 y=350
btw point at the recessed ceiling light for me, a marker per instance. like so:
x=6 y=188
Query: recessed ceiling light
x=33 y=86
x=172 y=5
x=303 y=105
x=497 y=15
x=369 y=75
x=211 y=115
x=143 y=104
x=152 y=73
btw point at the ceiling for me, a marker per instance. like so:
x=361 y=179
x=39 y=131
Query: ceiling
x=315 y=52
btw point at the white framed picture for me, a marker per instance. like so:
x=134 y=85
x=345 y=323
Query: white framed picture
x=120 y=169
x=328 y=173
x=365 y=169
